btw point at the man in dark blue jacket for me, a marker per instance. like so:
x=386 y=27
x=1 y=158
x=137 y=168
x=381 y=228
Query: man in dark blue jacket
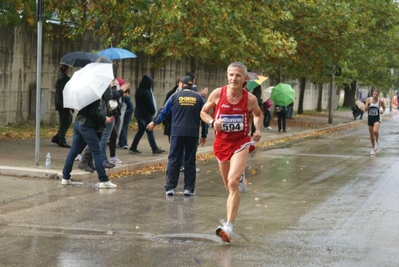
x=185 y=106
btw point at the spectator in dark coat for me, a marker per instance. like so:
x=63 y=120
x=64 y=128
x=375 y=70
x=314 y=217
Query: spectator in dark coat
x=257 y=91
x=144 y=111
x=282 y=118
x=64 y=114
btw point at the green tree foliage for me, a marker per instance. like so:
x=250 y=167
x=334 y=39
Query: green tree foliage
x=283 y=38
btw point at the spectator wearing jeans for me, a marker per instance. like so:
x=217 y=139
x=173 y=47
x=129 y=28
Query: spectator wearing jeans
x=123 y=136
x=88 y=121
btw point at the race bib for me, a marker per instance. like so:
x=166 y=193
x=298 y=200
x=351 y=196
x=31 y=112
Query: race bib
x=374 y=112
x=232 y=122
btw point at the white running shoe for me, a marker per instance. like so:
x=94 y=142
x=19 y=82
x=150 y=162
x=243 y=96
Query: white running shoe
x=242 y=186
x=224 y=232
x=196 y=169
x=372 y=151
x=377 y=146
x=107 y=185
x=171 y=192
x=78 y=157
x=189 y=193
x=69 y=182
x=115 y=160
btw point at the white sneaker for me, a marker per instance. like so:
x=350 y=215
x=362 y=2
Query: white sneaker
x=242 y=186
x=377 y=146
x=115 y=160
x=78 y=157
x=224 y=232
x=69 y=182
x=372 y=151
x=182 y=169
x=188 y=193
x=107 y=185
x=171 y=192
x=270 y=128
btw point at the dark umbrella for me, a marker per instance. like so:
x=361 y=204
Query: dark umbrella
x=81 y=59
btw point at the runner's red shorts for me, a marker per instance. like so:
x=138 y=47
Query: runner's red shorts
x=224 y=150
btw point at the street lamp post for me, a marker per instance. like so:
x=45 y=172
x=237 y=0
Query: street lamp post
x=39 y=16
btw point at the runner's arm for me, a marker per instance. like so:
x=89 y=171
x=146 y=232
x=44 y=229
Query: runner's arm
x=367 y=105
x=383 y=107
x=209 y=105
x=253 y=106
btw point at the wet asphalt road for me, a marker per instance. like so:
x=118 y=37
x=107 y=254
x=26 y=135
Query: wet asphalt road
x=315 y=202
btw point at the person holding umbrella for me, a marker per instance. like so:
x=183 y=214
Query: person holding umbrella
x=64 y=114
x=282 y=95
x=83 y=92
x=231 y=105
x=88 y=120
x=281 y=118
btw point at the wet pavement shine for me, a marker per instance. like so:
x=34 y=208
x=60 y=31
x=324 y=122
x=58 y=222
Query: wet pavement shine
x=316 y=201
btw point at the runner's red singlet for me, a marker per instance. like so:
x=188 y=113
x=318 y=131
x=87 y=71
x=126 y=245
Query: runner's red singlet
x=235 y=127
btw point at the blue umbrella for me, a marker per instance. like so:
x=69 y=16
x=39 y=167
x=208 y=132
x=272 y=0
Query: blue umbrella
x=116 y=53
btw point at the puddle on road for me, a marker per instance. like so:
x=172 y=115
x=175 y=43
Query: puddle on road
x=187 y=239
x=183 y=239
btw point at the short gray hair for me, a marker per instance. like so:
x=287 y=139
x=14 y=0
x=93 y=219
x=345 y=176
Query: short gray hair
x=238 y=65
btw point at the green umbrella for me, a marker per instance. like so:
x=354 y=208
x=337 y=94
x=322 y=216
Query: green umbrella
x=282 y=94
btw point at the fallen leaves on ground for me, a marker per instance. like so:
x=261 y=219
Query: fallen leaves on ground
x=208 y=156
x=323 y=131
x=28 y=131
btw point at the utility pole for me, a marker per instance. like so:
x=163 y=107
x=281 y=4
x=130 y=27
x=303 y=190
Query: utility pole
x=39 y=16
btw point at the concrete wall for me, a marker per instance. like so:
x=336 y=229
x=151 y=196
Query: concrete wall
x=18 y=53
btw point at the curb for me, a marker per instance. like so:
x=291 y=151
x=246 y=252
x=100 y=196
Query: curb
x=84 y=176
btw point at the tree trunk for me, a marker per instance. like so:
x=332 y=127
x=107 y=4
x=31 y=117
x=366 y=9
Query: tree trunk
x=320 y=97
x=350 y=92
x=193 y=63
x=302 y=85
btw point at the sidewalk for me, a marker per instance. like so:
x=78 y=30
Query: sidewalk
x=18 y=156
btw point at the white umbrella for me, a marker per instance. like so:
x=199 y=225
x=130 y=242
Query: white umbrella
x=360 y=104
x=87 y=85
x=266 y=93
